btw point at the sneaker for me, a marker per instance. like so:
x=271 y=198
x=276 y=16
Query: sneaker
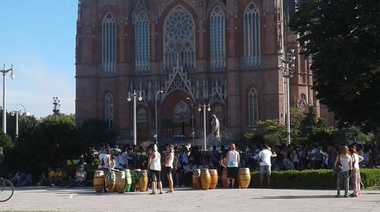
x=337 y=196
x=152 y=193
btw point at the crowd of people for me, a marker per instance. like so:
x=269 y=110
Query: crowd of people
x=178 y=163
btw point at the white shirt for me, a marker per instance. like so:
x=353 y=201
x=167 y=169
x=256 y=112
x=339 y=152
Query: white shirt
x=104 y=158
x=266 y=156
x=233 y=159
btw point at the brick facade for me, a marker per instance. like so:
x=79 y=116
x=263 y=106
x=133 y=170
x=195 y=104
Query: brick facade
x=226 y=91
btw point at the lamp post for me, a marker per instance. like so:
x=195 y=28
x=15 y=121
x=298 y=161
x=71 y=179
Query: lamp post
x=25 y=113
x=204 y=122
x=12 y=76
x=56 y=107
x=192 y=119
x=288 y=73
x=156 y=135
x=16 y=113
x=135 y=96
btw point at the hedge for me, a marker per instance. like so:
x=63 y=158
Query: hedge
x=311 y=179
x=306 y=179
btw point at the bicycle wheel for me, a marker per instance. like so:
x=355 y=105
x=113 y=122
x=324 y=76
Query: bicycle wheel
x=6 y=190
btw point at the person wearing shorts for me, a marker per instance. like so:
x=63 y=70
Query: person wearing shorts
x=154 y=164
x=265 y=157
x=233 y=160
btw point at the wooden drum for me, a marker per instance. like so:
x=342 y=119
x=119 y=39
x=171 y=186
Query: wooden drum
x=99 y=180
x=244 y=177
x=205 y=179
x=224 y=178
x=196 y=179
x=120 y=181
x=128 y=180
x=143 y=182
x=214 y=178
x=111 y=181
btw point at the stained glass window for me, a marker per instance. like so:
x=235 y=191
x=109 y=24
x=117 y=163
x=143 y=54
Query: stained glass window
x=217 y=39
x=109 y=110
x=109 y=45
x=252 y=37
x=179 y=40
x=142 y=43
x=252 y=107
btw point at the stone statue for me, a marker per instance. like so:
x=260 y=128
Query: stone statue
x=215 y=127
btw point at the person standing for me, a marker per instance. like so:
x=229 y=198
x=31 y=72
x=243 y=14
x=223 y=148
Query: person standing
x=345 y=159
x=233 y=160
x=154 y=164
x=265 y=157
x=355 y=177
x=104 y=165
x=169 y=159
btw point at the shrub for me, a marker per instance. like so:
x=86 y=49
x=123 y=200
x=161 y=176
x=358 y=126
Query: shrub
x=311 y=179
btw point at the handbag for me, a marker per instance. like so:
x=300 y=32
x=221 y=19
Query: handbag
x=339 y=167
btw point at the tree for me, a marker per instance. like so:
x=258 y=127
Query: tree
x=94 y=132
x=343 y=39
x=269 y=131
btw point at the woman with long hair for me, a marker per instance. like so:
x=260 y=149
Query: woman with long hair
x=154 y=164
x=355 y=177
x=169 y=159
x=345 y=159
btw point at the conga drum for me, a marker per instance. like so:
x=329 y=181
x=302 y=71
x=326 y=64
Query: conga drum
x=128 y=180
x=99 y=180
x=196 y=179
x=214 y=178
x=135 y=180
x=111 y=181
x=205 y=179
x=244 y=177
x=120 y=181
x=138 y=175
x=143 y=182
x=224 y=178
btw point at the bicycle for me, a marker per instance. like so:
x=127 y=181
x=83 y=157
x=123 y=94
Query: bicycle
x=6 y=190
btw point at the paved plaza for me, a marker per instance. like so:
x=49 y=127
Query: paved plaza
x=187 y=199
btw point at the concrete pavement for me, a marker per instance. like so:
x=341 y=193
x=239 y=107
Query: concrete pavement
x=187 y=199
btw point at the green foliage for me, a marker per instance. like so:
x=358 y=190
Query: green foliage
x=312 y=179
x=306 y=127
x=343 y=39
x=94 y=132
x=269 y=131
x=5 y=141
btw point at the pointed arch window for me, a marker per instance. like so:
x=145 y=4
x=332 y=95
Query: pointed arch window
x=109 y=111
x=109 y=45
x=142 y=33
x=217 y=39
x=252 y=58
x=253 y=112
x=179 y=41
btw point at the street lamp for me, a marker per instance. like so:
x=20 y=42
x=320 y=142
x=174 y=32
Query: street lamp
x=204 y=122
x=135 y=96
x=25 y=113
x=192 y=119
x=12 y=76
x=16 y=113
x=156 y=135
x=288 y=73
x=56 y=107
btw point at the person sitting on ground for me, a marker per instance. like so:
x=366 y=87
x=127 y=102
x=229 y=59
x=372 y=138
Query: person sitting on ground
x=51 y=176
x=42 y=181
x=16 y=177
x=80 y=176
x=25 y=180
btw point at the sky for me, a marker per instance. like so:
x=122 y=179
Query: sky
x=38 y=38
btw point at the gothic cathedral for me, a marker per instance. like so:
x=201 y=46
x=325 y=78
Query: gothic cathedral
x=161 y=68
